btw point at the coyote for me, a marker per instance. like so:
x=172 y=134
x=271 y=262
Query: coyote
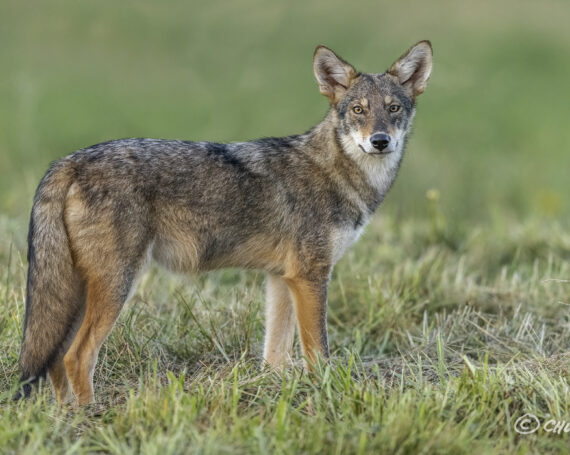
x=289 y=206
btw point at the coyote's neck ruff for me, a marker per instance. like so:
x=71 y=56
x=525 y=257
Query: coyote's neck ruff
x=289 y=206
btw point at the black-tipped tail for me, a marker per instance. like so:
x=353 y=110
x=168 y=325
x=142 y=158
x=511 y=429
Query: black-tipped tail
x=27 y=385
x=52 y=287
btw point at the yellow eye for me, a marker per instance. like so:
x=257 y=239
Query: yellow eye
x=394 y=108
x=357 y=109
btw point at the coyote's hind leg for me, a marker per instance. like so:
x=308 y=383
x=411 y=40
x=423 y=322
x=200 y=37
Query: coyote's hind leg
x=57 y=374
x=105 y=297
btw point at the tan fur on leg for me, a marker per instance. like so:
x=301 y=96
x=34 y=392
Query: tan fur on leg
x=59 y=382
x=310 y=305
x=101 y=312
x=279 y=323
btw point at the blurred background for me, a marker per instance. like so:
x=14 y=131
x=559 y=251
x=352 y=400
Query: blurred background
x=491 y=136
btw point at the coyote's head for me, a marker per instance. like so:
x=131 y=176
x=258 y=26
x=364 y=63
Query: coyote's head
x=374 y=112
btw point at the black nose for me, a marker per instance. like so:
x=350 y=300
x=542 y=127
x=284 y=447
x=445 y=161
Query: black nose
x=380 y=141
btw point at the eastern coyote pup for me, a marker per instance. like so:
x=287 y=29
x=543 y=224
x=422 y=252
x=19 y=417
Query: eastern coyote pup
x=290 y=206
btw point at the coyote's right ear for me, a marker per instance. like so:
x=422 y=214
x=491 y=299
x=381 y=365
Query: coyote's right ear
x=333 y=74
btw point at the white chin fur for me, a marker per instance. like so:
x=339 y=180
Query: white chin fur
x=380 y=168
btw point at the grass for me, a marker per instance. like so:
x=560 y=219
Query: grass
x=439 y=342
x=448 y=320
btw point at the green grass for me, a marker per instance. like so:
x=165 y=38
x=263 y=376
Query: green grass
x=447 y=321
x=438 y=345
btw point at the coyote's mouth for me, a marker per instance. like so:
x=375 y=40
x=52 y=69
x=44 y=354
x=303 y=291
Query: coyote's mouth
x=376 y=152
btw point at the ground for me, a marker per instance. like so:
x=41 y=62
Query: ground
x=439 y=343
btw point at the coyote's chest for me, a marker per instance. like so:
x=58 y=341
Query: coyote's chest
x=342 y=238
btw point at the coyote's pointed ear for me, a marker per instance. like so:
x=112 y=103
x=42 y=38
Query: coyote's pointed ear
x=333 y=74
x=414 y=67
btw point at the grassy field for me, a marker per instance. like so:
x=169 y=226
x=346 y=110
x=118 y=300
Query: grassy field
x=448 y=320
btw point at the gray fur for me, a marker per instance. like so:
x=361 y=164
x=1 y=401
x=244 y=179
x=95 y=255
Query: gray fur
x=196 y=206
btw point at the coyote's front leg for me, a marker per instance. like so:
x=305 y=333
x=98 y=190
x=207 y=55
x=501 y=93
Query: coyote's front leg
x=310 y=300
x=279 y=323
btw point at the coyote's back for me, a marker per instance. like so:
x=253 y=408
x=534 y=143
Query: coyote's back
x=289 y=206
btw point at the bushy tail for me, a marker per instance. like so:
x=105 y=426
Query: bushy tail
x=51 y=302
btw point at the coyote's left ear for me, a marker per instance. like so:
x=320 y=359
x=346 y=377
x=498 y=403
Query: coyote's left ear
x=333 y=74
x=414 y=67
